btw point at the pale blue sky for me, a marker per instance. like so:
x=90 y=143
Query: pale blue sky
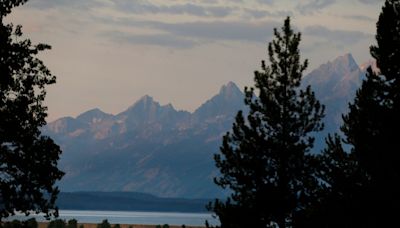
x=109 y=53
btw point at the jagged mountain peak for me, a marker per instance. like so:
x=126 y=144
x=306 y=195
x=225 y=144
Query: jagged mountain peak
x=230 y=90
x=345 y=63
x=168 y=106
x=147 y=111
x=343 y=67
x=230 y=86
x=148 y=104
x=146 y=100
x=229 y=100
x=335 y=79
x=144 y=104
x=347 y=59
x=92 y=114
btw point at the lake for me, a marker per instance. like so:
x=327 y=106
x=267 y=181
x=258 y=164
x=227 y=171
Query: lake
x=132 y=217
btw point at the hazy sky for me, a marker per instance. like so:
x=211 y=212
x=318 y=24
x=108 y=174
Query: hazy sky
x=109 y=53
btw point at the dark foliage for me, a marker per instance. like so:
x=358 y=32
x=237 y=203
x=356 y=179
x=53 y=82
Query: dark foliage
x=28 y=160
x=73 y=223
x=58 y=223
x=163 y=226
x=373 y=122
x=30 y=223
x=7 y=5
x=340 y=192
x=360 y=187
x=265 y=159
x=104 y=224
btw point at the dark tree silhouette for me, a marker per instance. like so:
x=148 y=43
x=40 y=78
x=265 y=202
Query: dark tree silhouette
x=73 y=223
x=339 y=196
x=361 y=186
x=58 y=223
x=264 y=159
x=372 y=124
x=104 y=224
x=28 y=160
x=30 y=223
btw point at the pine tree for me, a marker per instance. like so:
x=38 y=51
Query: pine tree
x=372 y=124
x=28 y=160
x=368 y=188
x=72 y=223
x=104 y=224
x=264 y=159
x=339 y=196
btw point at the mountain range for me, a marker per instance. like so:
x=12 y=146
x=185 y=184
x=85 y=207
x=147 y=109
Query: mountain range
x=157 y=149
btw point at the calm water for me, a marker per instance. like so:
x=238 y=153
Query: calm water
x=124 y=217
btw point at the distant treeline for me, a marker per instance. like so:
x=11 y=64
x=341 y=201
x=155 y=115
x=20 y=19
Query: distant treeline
x=32 y=223
x=73 y=223
x=127 y=201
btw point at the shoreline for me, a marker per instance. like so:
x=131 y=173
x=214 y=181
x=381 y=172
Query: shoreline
x=94 y=225
x=90 y=219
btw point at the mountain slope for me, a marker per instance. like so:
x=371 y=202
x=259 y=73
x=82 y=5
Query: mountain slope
x=147 y=148
x=227 y=102
x=335 y=84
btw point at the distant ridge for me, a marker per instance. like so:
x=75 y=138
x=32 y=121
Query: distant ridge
x=127 y=201
x=92 y=114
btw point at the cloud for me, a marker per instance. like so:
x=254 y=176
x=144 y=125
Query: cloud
x=163 y=40
x=204 y=8
x=139 y=7
x=268 y=2
x=73 y=4
x=187 y=34
x=314 y=5
x=360 y=18
x=372 y=2
x=210 y=1
x=256 y=13
x=219 y=30
x=339 y=37
x=136 y=7
x=236 y=1
x=190 y=34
